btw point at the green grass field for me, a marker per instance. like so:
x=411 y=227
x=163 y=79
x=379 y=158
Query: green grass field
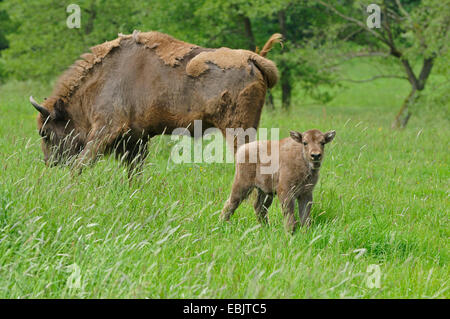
x=382 y=200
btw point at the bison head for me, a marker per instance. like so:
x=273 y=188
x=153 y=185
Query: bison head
x=313 y=145
x=60 y=139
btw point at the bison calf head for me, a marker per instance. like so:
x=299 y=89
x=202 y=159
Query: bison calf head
x=313 y=145
x=60 y=141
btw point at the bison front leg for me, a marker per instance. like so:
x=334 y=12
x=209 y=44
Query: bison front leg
x=86 y=157
x=288 y=206
x=98 y=140
x=304 y=208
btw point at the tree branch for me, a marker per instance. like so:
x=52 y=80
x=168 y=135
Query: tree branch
x=366 y=54
x=425 y=72
x=402 y=10
x=415 y=27
x=392 y=76
x=394 y=51
x=355 y=21
x=409 y=71
x=354 y=55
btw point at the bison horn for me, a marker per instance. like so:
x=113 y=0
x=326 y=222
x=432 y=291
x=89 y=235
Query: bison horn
x=40 y=108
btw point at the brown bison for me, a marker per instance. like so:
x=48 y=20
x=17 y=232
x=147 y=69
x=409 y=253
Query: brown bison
x=137 y=86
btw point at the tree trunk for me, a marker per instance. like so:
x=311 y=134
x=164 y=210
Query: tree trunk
x=402 y=117
x=284 y=67
x=269 y=100
x=417 y=85
x=249 y=33
x=282 y=22
x=285 y=90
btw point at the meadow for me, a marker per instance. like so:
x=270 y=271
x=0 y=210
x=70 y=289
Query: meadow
x=382 y=200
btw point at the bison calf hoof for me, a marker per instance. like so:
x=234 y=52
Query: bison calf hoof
x=263 y=220
x=290 y=228
x=225 y=216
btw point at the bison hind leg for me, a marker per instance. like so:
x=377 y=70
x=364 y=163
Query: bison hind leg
x=239 y=192
x=261 y=206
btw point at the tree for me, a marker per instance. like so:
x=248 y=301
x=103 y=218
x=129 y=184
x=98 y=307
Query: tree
x=413 y=31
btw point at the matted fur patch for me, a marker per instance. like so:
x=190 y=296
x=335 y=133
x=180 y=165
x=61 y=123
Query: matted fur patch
x=168 y=49
x=226 y=58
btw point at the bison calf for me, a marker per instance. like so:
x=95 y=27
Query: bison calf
x=300 y=157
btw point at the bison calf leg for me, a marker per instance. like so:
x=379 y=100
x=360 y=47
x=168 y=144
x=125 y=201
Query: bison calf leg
x=261 y=205
x=288 y=205
x=238 y=194
x=289 y=218
x=304 y=209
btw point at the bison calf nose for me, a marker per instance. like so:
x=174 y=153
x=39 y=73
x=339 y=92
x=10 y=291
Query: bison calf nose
x=316 y=156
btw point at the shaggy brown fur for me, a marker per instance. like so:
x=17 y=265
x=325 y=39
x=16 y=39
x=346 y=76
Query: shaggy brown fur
x=127 y=90
x=300 y=157
x=226 y=58
x=169 y=49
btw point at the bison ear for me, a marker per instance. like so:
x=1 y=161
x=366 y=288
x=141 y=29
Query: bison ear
x=45 y=113
x=329 y=136
x=59 y=111
x=296 y=136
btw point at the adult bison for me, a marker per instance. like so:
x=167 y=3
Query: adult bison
x=137 y=86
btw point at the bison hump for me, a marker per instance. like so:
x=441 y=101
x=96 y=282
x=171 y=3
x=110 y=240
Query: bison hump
x=226 y=58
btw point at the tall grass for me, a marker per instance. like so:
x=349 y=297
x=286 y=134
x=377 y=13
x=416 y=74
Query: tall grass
x=382 y=199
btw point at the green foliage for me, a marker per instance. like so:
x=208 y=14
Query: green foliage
x=419 y=28
x=41 y=46
x=6 y=27
x=3 y=73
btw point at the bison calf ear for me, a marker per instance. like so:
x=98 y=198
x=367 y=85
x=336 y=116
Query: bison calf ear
x=329 y=136
x=296 y=136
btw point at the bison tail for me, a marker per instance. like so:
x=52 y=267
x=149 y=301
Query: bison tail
x=275 y=38
x=267 y=68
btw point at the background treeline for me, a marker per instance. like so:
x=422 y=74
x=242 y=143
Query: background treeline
x=320 y=37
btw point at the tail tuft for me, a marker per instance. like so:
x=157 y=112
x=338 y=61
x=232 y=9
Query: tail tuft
x=275 y=38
